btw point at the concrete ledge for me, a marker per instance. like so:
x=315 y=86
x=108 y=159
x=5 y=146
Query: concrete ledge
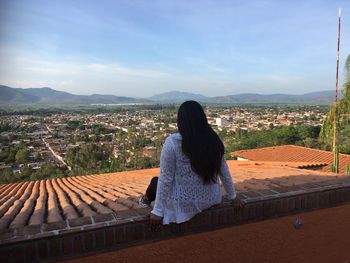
x=84 y=235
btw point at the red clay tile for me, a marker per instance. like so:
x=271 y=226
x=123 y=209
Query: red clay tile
x=293 y=153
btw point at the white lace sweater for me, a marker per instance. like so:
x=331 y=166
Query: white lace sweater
x=181 y=193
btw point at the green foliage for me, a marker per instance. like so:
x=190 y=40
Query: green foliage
x=302 y=135
x=22 y=156
x=7 y=176
x=346 y=86
x=9 y=155
x=100 y=129
x=347 y=169
x=344 y=140
x=3 y=156
x=73 y=125
x=343 y=126
x=335 y=164
x=89 y=158
x=5 y=127
x=47 y=170
x=4 y=140
x=11 y=158
x=342 y=109
x=37 y=156
x=346 y=89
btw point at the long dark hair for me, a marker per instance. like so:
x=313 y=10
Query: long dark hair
x=200 y=143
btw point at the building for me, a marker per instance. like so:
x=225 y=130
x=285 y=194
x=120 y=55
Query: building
x=292 y=153
x=220 y=122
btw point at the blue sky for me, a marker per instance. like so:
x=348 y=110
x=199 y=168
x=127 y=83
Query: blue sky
x=141 y=48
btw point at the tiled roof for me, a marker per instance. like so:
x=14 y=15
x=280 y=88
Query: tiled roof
x=300 y=165
x=54 y=200
x=293 y=153
x=47 y=201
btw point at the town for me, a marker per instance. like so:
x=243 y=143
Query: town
x=39 y=144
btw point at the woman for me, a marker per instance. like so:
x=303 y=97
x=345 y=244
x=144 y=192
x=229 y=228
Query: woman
x=190 y=164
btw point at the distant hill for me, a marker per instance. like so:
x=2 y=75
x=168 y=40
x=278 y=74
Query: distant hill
x=320 y=97
x=10 y=96
x=14 y=96
x=7 y=95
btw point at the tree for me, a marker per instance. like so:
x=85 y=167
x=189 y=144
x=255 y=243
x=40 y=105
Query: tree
x=342 y=109
x=302 y=135
x=89 y=158
x=11 y=157
x=286 y=135
x=25 y=175
x=22 y=156
x=346 y=86
x=37 y=156
x=47 y=170
x=6 y=176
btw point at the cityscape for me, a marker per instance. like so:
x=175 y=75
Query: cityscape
x=132 y=137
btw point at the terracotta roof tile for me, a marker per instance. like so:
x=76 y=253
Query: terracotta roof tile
x=293 y=153
x=54 y=200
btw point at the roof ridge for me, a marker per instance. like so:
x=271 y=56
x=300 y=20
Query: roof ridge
x=292 y=145
x=320 y=150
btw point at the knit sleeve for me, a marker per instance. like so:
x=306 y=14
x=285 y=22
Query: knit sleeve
x=166 y=177
x=226 y=180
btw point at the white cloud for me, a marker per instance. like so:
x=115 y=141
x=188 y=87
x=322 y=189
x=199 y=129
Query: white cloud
x=145 y=73
x=97 y=67
x=204 y=65
x=32 y=83
x=198 y=75
x=79 y=77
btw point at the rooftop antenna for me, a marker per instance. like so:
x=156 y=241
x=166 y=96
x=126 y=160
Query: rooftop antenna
x=335 y=152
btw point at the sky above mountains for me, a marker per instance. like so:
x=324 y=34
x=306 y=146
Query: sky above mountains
x=141 y=48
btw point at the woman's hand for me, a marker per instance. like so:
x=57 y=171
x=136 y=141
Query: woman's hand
x=238 y=204
x=155 y=221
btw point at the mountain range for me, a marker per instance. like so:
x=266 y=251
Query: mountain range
x=14 y=96
x=319 y=97
x=46 y=95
